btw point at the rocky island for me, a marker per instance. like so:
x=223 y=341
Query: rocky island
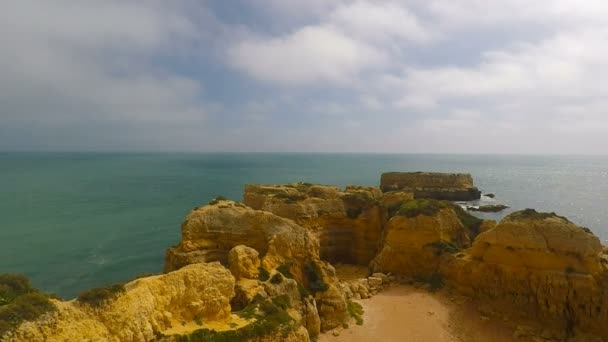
x=269 y=268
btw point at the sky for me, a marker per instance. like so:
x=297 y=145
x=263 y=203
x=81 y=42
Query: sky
x=395 y=76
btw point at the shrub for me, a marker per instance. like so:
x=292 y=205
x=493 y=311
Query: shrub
x=12 y=286
x=282 y=302
x=100 y=295
x=264 y=275
x=268 y=318
x=26 y=307
x=436 y=282
x=416 y=207
x=355 y=310
x=444 y=247
x=314 y=277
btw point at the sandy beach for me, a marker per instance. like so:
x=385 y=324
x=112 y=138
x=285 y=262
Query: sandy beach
x=406 y=313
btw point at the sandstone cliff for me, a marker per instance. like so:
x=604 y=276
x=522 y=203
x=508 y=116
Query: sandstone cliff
x=285 y=248
x=148 y=307
x=414 y=245
x=440 y=186
x=348 y=224
x=540 y=266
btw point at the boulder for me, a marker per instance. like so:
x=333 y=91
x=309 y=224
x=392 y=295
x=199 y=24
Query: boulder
x=244 y=262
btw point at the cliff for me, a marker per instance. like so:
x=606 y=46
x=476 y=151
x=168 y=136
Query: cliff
x=146 y=308
x=537 y=265
x=259 y=271
x=440 y=186
x=348 y=224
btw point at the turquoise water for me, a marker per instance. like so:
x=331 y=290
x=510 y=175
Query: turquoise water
x=77 y=220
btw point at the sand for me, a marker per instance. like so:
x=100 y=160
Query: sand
x=406 y=313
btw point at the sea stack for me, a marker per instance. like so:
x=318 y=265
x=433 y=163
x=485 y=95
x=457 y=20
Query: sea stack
x=432 y=185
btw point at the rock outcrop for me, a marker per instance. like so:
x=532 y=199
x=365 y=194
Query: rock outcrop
x=414 y=241
x=147 y=308
x=347 y=223
x=540 y=266
x=287 y=250
x=440 y=186
x=210 y=232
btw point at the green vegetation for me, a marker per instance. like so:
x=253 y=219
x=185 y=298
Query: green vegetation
x=436 y=282
x=470 y=222
x=264 y=274
x=303 y=291
x=282 y=302
x=355 y=310
x=284 y=269
x=20 y=302
x=100 y=295
x=269 y=317
x=533 y=214
x=217 y=200
x=569 y=270
x=426 y=207
x=444 y=247
x=290 y=198
x=314 y=277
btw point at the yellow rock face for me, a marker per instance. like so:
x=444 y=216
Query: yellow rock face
x=210 y=232
x=148 y=306
x=233 y=233
x=244 y=262
x=348 y=224
x=410 y=245
x=539 y=266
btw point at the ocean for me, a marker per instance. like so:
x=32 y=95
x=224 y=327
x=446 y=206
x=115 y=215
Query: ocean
x=72 y=221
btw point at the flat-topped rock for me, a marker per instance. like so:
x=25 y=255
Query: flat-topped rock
x=433 y=185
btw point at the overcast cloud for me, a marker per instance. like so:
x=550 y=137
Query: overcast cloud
x=445 y=76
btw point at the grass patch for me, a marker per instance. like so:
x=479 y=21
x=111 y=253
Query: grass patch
x=101 y=295
x=290 y=198
x=417 y=207
x=314 y=277
x=535 y=215
x=269 y=318
x=20 y=302
x=264 y=274
x=355 y=310
x=217 y=200
x=444 y=247
x=282 y=302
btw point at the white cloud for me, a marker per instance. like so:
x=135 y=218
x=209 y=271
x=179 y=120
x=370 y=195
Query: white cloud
x=66 y=61
x=311 y=54
x=380 y=22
